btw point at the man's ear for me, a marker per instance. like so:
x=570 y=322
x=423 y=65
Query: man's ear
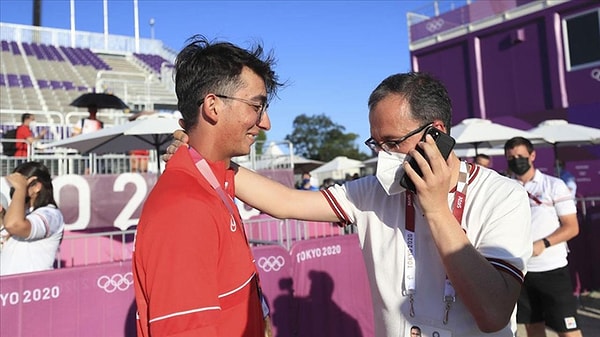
x=210 y=108
x=532 y=156
x=438 y=124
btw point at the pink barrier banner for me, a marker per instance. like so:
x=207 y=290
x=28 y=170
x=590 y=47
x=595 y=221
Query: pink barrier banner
x=320 y=289
x=331 y=290
x=88 y=301
x=275 y=270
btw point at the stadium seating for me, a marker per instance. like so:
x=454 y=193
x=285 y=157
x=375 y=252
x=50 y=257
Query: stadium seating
x=43 y=77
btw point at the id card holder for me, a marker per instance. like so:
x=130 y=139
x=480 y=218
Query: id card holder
x=418 y=329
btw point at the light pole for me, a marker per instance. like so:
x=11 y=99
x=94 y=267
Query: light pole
x=152 y=28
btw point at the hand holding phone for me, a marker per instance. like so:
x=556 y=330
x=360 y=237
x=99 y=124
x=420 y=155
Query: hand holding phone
x=445 y=144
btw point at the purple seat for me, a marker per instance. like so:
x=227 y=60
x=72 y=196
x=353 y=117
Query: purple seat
x=43 y=84
x=28 y=49
x=56 y=84
x=26 y=81
x=56 y=53
x=153 y=61
x=68 y=85
x=13 y=80
x=15 y=48
x=5 y=46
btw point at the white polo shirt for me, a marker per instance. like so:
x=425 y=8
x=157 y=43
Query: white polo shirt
x=496 y=220
x=550 y=198
x=37 y=251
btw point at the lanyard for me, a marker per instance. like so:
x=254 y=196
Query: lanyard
x=458 y=208
x=208 y=174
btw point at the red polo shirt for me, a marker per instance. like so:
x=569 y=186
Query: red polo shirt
x=23 y=132
x=193 y=271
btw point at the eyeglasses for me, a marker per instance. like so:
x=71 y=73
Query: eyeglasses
x=260 y=108
x=390 y=145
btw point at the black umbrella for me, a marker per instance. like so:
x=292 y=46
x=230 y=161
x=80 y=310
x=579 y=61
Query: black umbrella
x=101 y=101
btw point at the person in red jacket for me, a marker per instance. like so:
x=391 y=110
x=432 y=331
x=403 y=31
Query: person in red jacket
x=25 y=135
x=194 y=273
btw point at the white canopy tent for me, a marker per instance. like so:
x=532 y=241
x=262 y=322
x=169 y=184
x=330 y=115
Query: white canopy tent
x=337 y=168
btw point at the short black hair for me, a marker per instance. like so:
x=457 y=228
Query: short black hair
x=204 y=67
x=426 y=95
x=518 y=141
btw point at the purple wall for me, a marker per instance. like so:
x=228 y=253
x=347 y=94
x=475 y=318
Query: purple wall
x=523 y=76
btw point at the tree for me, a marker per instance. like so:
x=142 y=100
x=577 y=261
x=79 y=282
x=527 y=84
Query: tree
x=318 y=138
x=260 y=142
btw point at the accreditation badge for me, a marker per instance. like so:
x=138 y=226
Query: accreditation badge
x=417 y=329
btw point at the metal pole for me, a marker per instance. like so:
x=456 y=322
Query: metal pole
x=152 y=28
x=72 y=23
x=105 y=7
x=136 y=21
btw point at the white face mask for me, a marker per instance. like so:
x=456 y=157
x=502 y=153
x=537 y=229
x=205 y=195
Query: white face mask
x=390 y=171
x=32 y=124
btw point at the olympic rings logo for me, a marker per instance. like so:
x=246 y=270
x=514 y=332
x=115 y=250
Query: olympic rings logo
x=271 y=263
x=434 y=25
x=120 y=282
x=595 y=74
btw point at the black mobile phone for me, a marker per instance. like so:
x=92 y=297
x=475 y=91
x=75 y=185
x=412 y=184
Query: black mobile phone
x=445 y=144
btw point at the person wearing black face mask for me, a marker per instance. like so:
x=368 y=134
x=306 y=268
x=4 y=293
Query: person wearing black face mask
x=33 y=225
x=553 y=223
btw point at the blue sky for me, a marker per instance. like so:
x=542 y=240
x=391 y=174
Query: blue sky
x=331 y=53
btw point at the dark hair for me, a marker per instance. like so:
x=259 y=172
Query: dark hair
x=204 y=67
x=40 y=171
x=482 y=155
x=25 y=116
x=518 y=141
x=427 y=96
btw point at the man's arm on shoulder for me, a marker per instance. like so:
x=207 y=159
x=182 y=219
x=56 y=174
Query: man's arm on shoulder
x=281 y=201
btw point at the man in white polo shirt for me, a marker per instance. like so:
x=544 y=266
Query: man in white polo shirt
x=547 y=294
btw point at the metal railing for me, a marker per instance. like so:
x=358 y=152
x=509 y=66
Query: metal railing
x=82 y=249
x=81 y=39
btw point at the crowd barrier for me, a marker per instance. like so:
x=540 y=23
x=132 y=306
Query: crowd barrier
x=82 y=248
x=318 y=288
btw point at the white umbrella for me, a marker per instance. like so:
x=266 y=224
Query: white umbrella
x=149 y=133
x=485 y=136
x=559 y=132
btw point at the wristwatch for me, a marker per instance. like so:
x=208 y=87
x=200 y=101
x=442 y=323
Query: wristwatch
x=546 y=243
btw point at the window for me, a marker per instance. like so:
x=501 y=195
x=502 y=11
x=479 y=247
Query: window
x=581 y=34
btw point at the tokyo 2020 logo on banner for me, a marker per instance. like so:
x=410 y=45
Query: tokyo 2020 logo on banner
x=120 y=282
x=271 y=263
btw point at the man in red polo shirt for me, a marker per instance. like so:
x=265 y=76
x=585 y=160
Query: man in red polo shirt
x=25 y=136
x=193 y=268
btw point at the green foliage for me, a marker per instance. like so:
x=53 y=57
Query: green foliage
x=260 y=142
x=318 y=137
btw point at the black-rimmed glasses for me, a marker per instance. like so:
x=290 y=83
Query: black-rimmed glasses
x=260 y=108
x=391 y=145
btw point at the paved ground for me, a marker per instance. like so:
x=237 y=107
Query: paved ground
x=589 y=317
